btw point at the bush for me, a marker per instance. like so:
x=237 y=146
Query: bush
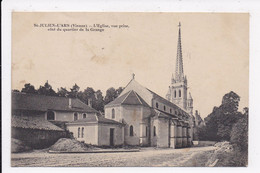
x=239 y=134
x=18 y=146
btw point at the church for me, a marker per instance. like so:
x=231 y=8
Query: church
x=151 y=120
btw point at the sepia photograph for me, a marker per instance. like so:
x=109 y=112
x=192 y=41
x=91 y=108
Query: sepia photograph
x=129 y=89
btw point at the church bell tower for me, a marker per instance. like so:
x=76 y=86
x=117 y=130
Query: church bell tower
x=177 y=93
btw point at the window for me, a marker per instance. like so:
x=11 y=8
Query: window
x=84 y=115
x=78 y=132
x=146 y=131
x=164 y=108
x=82 y=132
x=131 y=131
x=157 y=105
x=113 y=113
x=50 y=115
x=179 y=93
x=176 y=112
x=175 y=94
x=75 y=116
x=170 y=110
x=154 y=131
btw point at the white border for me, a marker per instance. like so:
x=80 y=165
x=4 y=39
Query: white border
x=251 y=6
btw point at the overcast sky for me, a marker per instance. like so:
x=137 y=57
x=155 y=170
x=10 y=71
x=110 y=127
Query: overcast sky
x=215 y=52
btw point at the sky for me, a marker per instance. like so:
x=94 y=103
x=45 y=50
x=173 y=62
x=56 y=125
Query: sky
x=215 y=52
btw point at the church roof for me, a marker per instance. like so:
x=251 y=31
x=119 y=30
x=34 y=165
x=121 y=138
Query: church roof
x=129 y=98
x=162 y=114
x=35 y=102
x=166 y=102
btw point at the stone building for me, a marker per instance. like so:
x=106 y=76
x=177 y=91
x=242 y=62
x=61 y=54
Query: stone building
x=97 y=130
x=51 y=108
x=150 y=120
x=40 y=120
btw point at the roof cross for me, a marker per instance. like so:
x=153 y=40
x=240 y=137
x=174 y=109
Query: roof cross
x=133 y=75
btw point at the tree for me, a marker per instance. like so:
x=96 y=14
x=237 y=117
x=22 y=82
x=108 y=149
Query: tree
x=74 y=91
x=100 y=101
x=219 y=123
x=62 y=92
x=95 y=97
x=28 y=88
x=46 y=90
x=239 y=133
x=112 y=93
x=118 y=91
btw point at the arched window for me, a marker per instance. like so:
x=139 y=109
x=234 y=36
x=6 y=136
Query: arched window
x=50 y=115
x=179 y=93
x=79 y=132
x=84 y=115
x=75 y=116
x=146 y=131
x=157 y=105
x=164 y=108
x=170 y=110
x=82 y=132
x=113 y=113
x=131 y=131
x=175 y=94
x=154 y=131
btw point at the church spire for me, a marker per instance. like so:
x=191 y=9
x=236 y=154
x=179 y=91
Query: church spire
x=179 y=62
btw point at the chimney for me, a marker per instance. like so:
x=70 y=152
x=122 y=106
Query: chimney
x=70 y=106
x=90 y=102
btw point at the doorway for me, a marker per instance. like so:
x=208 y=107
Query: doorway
x=111 y=137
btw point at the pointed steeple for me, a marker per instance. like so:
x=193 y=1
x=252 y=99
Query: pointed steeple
x=179 y=62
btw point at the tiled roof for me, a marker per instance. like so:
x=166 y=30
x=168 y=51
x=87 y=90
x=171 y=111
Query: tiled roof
x=95 y=119
x=24 y=101
x=33 y=123
x=162 y=114
x=108 y=121
x=166 y=102
x=129 y=98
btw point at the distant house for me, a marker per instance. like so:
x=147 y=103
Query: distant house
x=50 y=108
x=35 y=118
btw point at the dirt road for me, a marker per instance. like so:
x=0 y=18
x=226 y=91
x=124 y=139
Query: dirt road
x=147 y=157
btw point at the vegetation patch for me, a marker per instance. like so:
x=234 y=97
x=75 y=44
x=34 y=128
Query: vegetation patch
x=18 y=146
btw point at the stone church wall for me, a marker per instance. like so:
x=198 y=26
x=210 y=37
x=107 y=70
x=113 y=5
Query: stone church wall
x=104 y=134
x=163 y=133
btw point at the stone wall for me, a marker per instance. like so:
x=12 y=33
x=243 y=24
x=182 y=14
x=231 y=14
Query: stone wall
x=163 y=133
x=37 y=139
x=104 y=134
x=90 y=132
